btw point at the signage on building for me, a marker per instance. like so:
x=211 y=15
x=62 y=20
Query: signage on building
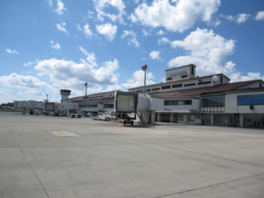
x=170 y=75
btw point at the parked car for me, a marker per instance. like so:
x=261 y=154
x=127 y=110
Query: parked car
x=108 y=117
x=75 y=115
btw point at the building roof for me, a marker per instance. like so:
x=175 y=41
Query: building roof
x=196 y=92
x=231 y=86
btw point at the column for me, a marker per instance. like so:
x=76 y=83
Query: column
x=171 y=118
x=212 y=119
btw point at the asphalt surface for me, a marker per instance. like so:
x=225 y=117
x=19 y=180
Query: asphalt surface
x=59 y=157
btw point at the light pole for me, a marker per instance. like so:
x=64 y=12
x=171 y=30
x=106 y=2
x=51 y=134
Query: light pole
x=86 y=85
x=144 y=68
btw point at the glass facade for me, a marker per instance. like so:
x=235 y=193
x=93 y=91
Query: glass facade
x=256 y=99
x=213 y=103
x=108 y=105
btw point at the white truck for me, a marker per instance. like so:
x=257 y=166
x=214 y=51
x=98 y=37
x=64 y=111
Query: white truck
x=126 y=106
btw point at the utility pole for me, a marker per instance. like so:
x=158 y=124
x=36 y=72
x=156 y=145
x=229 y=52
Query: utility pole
x=144 y=68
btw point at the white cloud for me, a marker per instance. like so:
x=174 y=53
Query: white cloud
x=132 y=37
x=146 y=33
x=54 y=45
x=240 y=18
x=209 y=52
x=9 y=51
x=60 y=7
x=6 y=96
x=30 y=85
x=108 y=30
x=206 y=49
x=50 y=3
x=87 y=31
x=163 y=40
x=100 y=6
x=91 y=59
x=260 y=16
x=61 y=27
x=175 y=15
x=28 y=64
x=69 y=74
x=160 y=32
x=138 y=79
x=155 y=55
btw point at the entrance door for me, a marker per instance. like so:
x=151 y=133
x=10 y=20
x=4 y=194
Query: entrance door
x=175 y=118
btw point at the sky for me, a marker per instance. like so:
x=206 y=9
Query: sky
x=48 y=45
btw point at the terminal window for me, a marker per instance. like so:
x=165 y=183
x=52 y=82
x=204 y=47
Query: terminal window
x=214 y=103
x=177 y=102
x=256 y=99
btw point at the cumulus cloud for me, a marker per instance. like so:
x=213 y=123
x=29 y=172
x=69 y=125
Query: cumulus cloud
x=62 y=27
x=60 y=7
x=155 y=55
x=29 y=84
x=70 y=74
x=260 y=16
x=132 y=37
x=175 y=15
x=240 y=18
x=108 y=30
x=9 y=51
x=54 y=45
x=101 y=5
x=206 y=49
x=138 y=79
x=209 y=52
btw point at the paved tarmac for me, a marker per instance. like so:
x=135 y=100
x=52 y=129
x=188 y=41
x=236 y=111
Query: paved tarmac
x=59 y=157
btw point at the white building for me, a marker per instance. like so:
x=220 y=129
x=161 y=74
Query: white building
x=210 y=100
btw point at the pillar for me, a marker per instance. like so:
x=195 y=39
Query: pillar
x=212 y=119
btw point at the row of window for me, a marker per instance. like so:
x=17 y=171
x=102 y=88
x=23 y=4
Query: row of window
x=176 y=86
x=95 y=106
x=88 y=106
x=213 y=103
x=256 y=99
x=177 y=102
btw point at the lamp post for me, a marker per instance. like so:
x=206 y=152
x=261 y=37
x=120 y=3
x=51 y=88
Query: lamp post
x=86 y=85
x=144 y=68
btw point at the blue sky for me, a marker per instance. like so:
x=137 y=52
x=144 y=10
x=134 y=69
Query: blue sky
x=48 y=45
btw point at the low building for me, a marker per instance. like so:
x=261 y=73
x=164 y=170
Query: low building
x=94 y=103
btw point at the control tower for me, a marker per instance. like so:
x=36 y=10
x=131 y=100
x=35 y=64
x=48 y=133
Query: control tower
x=64 y=95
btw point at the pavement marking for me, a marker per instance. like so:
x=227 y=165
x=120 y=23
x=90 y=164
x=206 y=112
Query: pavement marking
x=63 y=133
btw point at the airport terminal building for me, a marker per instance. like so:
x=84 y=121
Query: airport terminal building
x=210 y=100
x=186 y=98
